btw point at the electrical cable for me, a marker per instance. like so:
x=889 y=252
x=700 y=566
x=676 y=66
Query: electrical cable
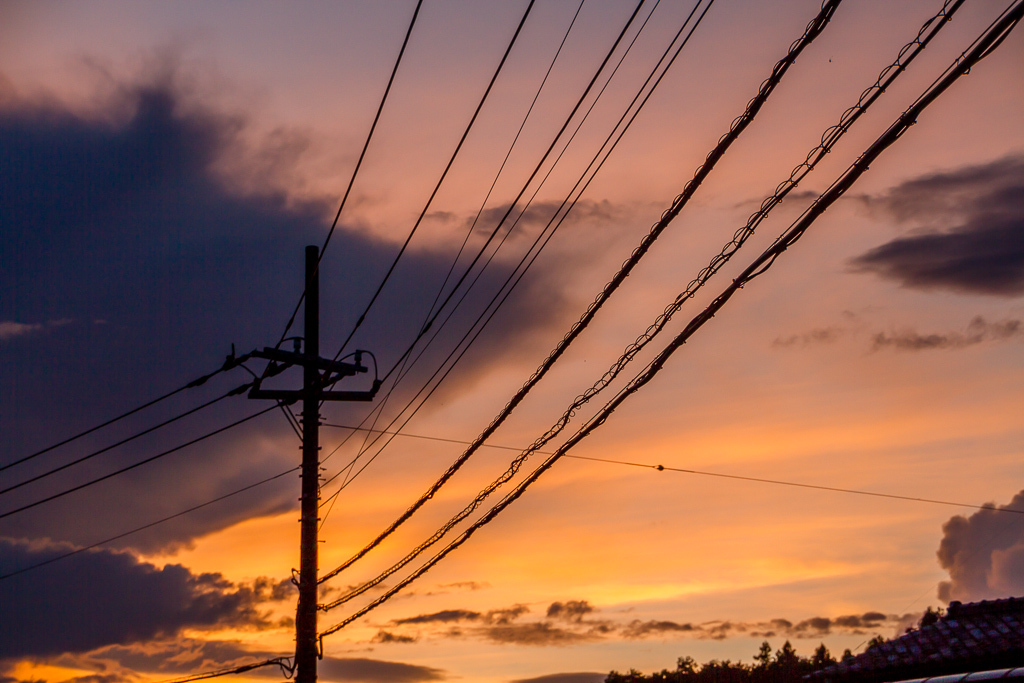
x=286 y=664
x=526 y=185
x=517 y=274
x=704 y=473
x=76 y=461
x=444 y=174
x=982 y=47
x=359 y=163
x=813 y=29
x=476 y=278
x=137 y=464
x=437 y=330
x=379 y=410
x=522 y=125
x=146 y=526
x=229 y=364
x=817 y=487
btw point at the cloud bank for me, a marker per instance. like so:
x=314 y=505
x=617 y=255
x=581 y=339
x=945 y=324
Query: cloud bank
x=577 y=621
x=100 y=598
x=984 y=554
x=124 y=216
x=982 y=252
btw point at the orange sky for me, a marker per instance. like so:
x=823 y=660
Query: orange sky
x=816 y=373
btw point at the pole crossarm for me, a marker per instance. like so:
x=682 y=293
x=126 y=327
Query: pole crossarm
x=294 y=358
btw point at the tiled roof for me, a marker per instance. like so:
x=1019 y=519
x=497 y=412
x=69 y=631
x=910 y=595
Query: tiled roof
x=970 y=637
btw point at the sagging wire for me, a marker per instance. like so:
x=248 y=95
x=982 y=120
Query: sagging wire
x=983 y=46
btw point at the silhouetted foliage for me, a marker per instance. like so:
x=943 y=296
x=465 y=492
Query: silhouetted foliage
x=784 y=666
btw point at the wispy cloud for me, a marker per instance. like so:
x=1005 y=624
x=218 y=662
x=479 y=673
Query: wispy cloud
x=9 y=329
x=977 y=331
x=576 y=621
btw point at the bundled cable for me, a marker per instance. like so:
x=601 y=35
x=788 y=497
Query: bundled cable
x=814 y=28
x=981 y=48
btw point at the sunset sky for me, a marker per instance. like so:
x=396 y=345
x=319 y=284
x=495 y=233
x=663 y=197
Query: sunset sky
x=162 y=166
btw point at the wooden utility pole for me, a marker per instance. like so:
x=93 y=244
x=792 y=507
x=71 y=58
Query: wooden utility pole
x=317 y=373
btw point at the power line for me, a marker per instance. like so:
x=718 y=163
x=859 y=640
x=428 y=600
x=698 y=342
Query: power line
x=813 y=29
x=287 y=668
x=444 y=174
x=829 y=139
x=137 y=464
x=76 y=461
x=146 y=526
x=379 y=409
x=818 y=487
x=982 y=47
x=427 y=323
x=359 y=162
x=470 y=332
x=703 y=473
x=529 y=180
x=230 y=363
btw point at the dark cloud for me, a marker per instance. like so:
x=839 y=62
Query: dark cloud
x=984 y=554
x=386 y=637
x=581 y=677
x=443 y=617
x=173 y=656
x=359 y=670
x=817 y=624
x=534 y=633
x=978 y=331
x=821 y=335
x=123 y=224
x=647 y=629
x=506 y=615
x=982 y=252
x=100 y=598
x=571 y=610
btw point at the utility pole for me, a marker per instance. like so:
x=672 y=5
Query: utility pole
x=317 y=373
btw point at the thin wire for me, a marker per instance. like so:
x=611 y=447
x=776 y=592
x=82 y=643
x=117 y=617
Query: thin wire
x=668 y=468
x=147 y=526
x=229 y=364
x=43 y=475
x=812 y=31
x=504 y=161
x=137 y=464
x=517 y=274
x=526 y=185
x=429 y=323
x=286 y=664
x=359 y=163
x=984 y=46
x=403 y=371
x=780 y=482
x=444 y=174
